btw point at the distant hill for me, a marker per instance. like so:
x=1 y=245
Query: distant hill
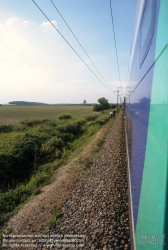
x=23 y=103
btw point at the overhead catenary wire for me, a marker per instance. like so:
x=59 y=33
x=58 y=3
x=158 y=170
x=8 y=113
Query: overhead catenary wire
x=112 y=21
x=70 y=45
x=79 y=42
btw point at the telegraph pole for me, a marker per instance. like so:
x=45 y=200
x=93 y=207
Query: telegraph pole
x=117 y=95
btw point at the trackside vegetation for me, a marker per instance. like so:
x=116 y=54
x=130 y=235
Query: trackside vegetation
x=103 y=105
x=32 y=150
x=64 y=116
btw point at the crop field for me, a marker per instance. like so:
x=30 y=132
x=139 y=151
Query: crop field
x=10 y=114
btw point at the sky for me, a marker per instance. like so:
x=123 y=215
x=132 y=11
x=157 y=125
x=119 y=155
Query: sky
x=37 y=65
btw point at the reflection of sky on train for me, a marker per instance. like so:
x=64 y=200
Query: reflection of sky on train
x=148 y=113
x=139 y=115
x=159 y=96
x=147 y=109
x=159 y=91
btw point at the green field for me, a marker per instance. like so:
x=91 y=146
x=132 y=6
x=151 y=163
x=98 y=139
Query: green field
x=10 y=114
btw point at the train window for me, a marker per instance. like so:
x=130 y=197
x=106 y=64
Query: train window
x=147 y=28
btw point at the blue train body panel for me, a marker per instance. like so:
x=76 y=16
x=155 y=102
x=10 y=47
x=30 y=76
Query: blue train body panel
x=147 y=126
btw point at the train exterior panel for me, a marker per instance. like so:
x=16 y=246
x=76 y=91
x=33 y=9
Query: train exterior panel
x=147 y=126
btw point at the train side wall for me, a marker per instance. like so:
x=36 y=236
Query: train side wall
x=147 y=112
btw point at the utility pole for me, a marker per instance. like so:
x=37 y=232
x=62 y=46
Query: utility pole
x=117 y=95
x=128 y=93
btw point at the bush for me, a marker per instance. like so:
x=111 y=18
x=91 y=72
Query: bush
x=88 y=124
x=6 y=128
x=31 y=123
x=10 y=200
x=113 y=106
x=103 y=104
x=91 y=117
x=53 y=148
x=46 y=131
x=97 y=107
x=18 y=165
x=101 y=121
x=20 y=127
x=64 y=116
x=67 y=137
x=73 y=128
x=91 y=130
x=37 y=180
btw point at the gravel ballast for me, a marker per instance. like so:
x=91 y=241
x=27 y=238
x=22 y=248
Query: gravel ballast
x=97 y=209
